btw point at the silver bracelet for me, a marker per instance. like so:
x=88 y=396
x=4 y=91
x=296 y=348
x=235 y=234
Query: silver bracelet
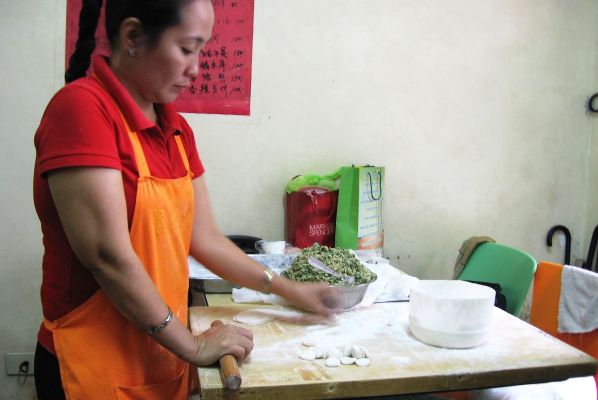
x=162 y=325
x=269 y=275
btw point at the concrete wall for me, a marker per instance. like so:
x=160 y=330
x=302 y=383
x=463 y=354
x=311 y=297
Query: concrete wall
x=475 y=108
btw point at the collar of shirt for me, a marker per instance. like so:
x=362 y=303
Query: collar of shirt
x=169 y=119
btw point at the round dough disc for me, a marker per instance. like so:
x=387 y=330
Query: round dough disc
x=307 y=355
x=253 y=317
x=332 y=362
x=362 y=362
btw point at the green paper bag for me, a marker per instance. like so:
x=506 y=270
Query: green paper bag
x=359 y=222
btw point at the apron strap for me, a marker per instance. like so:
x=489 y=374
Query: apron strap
x=139 y=155
x=179 y=144
x=51 y=326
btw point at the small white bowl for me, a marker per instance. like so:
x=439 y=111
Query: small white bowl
x=265 y=247
x=450 y=313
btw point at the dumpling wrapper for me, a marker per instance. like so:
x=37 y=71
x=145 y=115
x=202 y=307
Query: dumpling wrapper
x=252 y=317
x=259 y=316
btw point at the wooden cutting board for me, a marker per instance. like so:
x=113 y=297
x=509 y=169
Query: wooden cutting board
x=514 y=353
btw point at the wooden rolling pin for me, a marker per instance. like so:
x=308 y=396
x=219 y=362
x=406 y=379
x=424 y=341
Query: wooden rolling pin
x=229 y=370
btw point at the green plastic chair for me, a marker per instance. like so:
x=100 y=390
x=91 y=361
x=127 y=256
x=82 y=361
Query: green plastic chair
x=512 y=269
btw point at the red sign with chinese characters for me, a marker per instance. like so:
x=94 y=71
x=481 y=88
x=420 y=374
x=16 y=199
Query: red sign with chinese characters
x=223 y=85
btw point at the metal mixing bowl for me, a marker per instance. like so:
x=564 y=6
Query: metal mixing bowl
x=352 y=295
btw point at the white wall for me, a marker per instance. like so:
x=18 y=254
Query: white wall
x=32 y=50
x=476 y=108
x=592 y=192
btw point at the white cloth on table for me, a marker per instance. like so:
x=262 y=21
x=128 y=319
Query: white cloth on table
x=390 y=285
x=578 y=304
x=572 y=389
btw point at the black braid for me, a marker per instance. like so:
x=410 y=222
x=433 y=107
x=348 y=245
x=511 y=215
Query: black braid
x=86 y=43
x=155 y=16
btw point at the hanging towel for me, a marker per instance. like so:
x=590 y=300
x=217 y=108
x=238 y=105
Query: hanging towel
x=578 y=304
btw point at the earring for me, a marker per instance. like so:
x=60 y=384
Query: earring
x=132 y=52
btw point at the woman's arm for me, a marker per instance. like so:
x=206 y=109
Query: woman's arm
x=92 y=209
x=214 y=250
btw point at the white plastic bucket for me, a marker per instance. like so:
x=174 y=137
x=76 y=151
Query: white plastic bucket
x=450 y=313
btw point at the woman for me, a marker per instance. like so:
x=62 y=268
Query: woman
x=119 y=191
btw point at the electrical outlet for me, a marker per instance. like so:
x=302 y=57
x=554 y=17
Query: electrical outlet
x=19 y=363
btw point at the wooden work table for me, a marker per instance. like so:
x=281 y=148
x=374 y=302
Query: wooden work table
x=514 y=353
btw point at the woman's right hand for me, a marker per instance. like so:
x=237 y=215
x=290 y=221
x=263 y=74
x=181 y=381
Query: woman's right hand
x=316 y=297
x=220 y=340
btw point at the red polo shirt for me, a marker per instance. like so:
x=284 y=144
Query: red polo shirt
x=81 y=127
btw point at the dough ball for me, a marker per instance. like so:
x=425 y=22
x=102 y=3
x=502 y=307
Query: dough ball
x=307 y=355
x=362 y=362
x=333 y=362
x=320 y=352
x=347 y=350
x=334 y=353
x=347 y=360
x=366 y=353
x=357 y=351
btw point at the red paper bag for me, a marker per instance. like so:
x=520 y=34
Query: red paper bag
x=310 y=217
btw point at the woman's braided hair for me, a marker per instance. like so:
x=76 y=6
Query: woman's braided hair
x=155 y=16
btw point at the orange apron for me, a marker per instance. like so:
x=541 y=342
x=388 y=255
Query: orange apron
x=101 y=354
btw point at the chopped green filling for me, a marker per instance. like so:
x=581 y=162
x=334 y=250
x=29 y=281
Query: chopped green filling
x=340 y=260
